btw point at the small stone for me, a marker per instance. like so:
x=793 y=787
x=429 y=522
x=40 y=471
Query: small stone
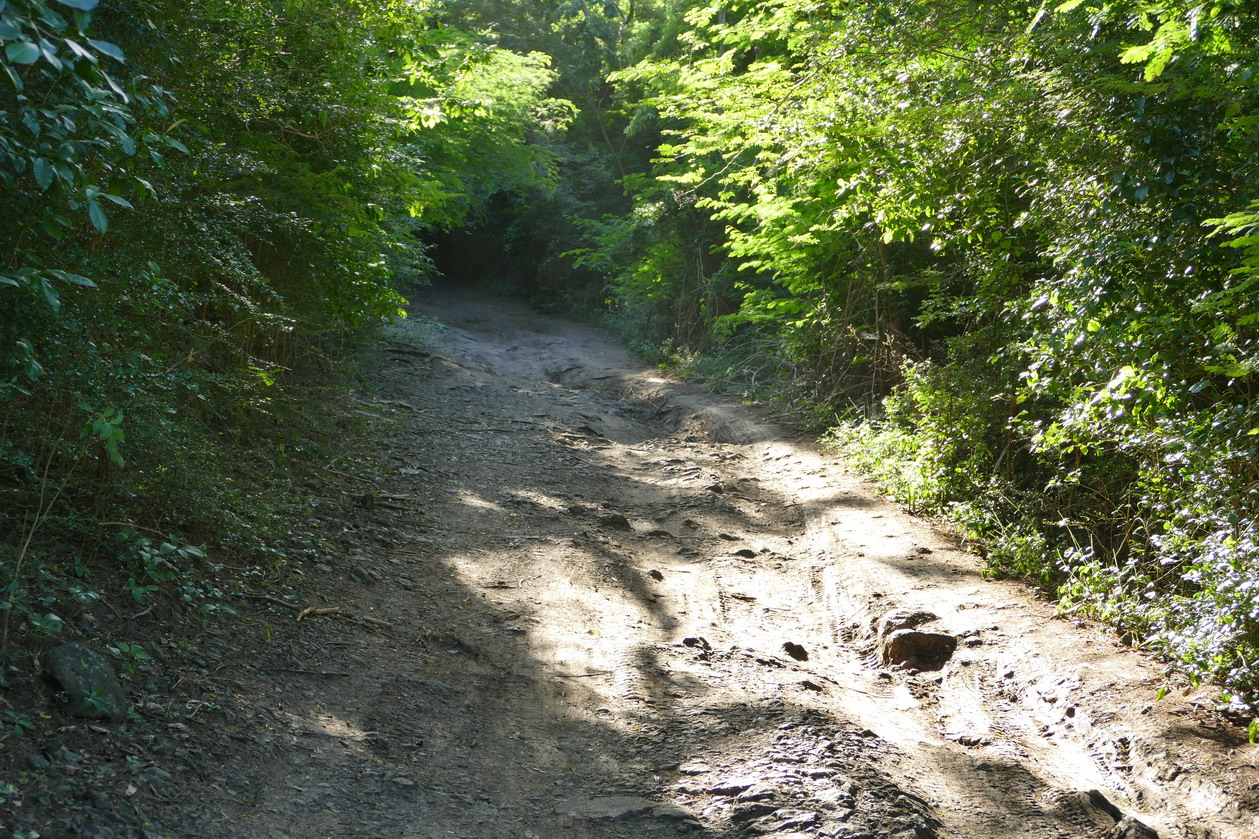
x=757 y=792
x=38 y=762
x=655 y=575
x=672 y=812
x=91 y=687
x=437 y=688
x=64 y=754
x=733 y=786
x=362 y=575
x=1130 y=828
x=746 y=553
x=748 y=810
x=796 y=651
x=323 y=567
x=154 y=775
x=97 y=831
x=616 y=521
x=605 y=807
x=694 y=768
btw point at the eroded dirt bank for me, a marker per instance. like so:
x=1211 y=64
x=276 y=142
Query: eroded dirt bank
x=604 y=604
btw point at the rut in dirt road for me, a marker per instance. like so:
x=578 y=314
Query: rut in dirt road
x=623 y=607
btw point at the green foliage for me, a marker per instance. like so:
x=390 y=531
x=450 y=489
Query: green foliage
x=209 y=202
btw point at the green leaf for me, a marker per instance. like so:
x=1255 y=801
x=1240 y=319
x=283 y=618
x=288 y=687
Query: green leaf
x=43 y=173
x=50 y=294
x=109 y=49
x=81 y=5
x=22 y=52
x=99 y=219
x=49 y=52
x=118 y=199
x=73 y=279
x=79 y=50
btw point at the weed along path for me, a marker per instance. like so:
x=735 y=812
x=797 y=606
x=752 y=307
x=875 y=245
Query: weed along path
x=586 y=601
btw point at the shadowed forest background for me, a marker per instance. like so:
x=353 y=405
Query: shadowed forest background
x=1005 y=256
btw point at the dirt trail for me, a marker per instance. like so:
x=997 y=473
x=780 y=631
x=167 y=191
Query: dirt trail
x=622 y=607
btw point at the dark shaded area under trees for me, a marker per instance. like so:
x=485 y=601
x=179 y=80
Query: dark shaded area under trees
x=1006 y=253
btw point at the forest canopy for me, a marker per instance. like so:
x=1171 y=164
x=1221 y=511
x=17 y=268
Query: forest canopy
x=1006 y=254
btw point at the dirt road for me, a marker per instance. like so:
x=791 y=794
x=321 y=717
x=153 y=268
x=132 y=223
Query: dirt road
x=618 y=606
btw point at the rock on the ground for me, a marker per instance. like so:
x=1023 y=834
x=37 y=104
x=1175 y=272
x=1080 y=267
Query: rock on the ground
x=609 y=807
x=91 y=686
x=900 y=642
x=1130 y=828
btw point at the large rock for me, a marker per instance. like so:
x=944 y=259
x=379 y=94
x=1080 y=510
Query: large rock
x=901 y=642
x=92 y=688
x=917 y=649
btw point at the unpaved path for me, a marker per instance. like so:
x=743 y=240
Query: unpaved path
x=621 y=607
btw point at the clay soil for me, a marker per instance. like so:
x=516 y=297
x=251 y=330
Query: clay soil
x=581 y=599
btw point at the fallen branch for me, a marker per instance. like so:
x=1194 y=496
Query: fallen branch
x=342 y=613
x=347 y=475
x=321 y=611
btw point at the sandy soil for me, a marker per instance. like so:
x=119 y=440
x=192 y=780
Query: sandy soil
x=600 y=603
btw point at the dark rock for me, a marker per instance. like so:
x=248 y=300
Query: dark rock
x=697 y=641
x=1130 y=828
x=757 y=792
x=619 y=807
x=91 y=687
x=732 y=786
x=1096 y=800
x=796 y=651
x=788 y=820
x=748 y=810
x=916 y=649
x=153 y=776
x=746 y=553
x=437 y=688
x=616 y=521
